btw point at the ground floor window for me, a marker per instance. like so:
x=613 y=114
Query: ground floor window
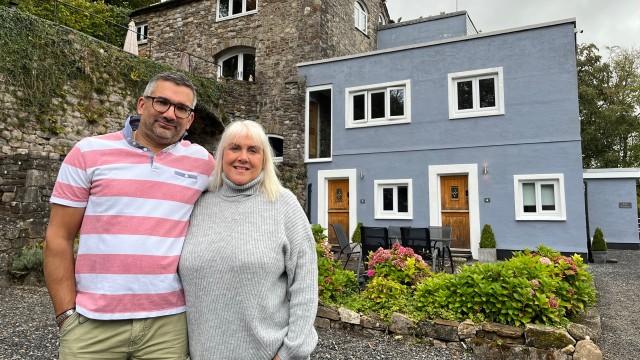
x=277 y=144
x=539 y=197
x=238 y=63
x=393 y=199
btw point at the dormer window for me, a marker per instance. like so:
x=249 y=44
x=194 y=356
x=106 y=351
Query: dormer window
x=228 y=9
x=360 y=16
x=238 y=63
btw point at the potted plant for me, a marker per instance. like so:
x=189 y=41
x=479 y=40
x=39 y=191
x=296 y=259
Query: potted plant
x=487 y=251
x=599 y=247
x=355 y=238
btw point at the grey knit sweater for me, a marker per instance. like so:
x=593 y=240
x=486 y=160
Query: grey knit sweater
x=249 y=272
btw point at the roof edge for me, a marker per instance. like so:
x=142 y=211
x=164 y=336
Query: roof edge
x=613 y=173
x=419 y=20
x=159 y=6
x=444 y=41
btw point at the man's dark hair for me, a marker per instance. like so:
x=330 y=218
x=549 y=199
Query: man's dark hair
x=174 y=77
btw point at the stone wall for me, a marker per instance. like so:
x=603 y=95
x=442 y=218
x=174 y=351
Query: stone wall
x=283 y=34
x=484 y=340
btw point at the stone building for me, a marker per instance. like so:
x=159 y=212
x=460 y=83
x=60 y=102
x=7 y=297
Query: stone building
x=253 y=46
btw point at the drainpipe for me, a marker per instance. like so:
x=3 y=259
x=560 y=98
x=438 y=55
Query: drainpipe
x=309 y=192
x=586 y=212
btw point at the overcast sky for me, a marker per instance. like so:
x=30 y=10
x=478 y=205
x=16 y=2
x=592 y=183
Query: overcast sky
x=604 y=22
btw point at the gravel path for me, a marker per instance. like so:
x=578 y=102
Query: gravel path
x=618 y=288
x=28 y=331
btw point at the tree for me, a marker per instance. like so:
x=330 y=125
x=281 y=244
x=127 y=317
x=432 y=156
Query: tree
x=609 y=95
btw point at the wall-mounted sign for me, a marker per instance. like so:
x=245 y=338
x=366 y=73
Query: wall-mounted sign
x=624 y=205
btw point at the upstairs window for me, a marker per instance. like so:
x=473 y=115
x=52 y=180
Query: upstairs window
x=476 y=93
x=381 y=20
x=360 y=16
x=318 y=124
x=233 y=8
x=239 y=64
x=539 y=197
x=277 y=145
x=378 y=104
x=393 y=199
x=142 y=32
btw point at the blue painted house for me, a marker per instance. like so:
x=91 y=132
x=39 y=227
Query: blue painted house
x=443 y=125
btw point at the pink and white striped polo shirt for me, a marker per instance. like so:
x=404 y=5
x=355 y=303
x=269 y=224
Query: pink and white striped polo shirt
x=137 y=212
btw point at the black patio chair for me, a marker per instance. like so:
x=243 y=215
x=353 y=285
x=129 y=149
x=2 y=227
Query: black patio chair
x=372 y=239
x=419 y=240
x=343 y=242
x=441 y=239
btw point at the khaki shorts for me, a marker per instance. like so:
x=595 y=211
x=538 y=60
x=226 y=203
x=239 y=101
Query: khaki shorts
x=157 y=338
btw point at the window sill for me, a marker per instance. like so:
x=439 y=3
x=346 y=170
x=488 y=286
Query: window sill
x=143 y=42
x=473 y=114
x=352 y=125
x=236 y=15
x=393 y=217
x=541 y=218
x=319 y=160
x=362 y=32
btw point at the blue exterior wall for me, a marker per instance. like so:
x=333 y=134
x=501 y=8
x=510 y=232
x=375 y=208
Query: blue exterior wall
x=423 y=30
x=619 y=225
x=538 y=134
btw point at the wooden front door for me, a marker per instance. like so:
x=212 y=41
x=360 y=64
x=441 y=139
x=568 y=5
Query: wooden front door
x=338 y=206
x=454 y=194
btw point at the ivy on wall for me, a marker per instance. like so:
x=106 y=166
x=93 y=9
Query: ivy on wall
x=43 y=62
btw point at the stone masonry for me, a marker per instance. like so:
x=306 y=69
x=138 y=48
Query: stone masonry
x=283 y=34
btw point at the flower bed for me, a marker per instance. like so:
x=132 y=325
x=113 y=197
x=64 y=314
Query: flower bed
x=534 y=289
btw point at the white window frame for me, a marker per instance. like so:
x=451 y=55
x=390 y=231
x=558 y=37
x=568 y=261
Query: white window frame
x=240 y=14
x=306 y=124
x=379 y=185
x=381 y=20
x=240 y=52
x=359 y=9
x=368 y=90
x=277 y=159
x=559 y=214
x=474 y=76
x=144 y=35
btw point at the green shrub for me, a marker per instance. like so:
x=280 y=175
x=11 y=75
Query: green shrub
x=528 y=288
x=93 y=18
x=383 y=297
x=30 y=259
x=355 y=238
x=335 y=285
x=400 y=264
x=598 y=243
x=487 y=239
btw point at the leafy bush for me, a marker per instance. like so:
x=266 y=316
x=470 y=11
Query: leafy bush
x=30 y=259
x=528 y=288
x=94 y=18
x=400 y=264
x=335 y=285
x=355 y=238
x=383 y=296
x=598 y=243
x=487 y=239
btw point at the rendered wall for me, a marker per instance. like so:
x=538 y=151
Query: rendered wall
x=619 y=224
x=423 y=30
x=538 y=134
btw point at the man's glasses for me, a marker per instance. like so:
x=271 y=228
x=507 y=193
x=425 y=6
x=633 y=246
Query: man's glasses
x=162 y=105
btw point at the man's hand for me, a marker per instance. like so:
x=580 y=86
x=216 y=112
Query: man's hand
x=64 y=223
x=277 y=357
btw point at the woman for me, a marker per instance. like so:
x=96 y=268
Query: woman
x=248 y=266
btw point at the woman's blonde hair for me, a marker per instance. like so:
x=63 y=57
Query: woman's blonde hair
x=270 y=185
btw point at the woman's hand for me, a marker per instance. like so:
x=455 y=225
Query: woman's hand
x=277 y=357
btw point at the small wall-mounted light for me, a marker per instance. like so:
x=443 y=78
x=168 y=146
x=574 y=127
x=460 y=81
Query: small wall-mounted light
x=361 y=174
x=485 y=168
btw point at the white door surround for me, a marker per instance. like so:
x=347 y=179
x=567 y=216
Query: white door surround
x=323 y=185
x=435 y=218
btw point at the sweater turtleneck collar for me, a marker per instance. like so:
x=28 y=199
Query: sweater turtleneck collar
x=231 y=190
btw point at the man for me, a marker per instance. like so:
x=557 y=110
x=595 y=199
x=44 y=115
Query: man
x=129 y=194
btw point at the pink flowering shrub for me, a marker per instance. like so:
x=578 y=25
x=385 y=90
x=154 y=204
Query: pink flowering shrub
x=539 y=286
x=400 y=264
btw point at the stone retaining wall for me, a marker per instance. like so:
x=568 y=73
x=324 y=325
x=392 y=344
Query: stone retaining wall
x=485 y=340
